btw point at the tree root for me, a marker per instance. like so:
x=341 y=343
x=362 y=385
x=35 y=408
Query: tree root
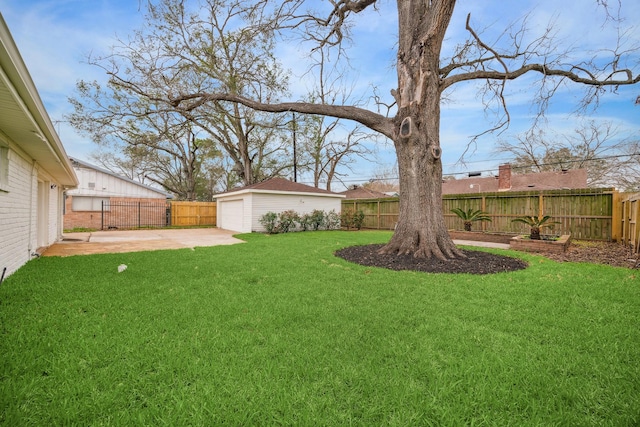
x=441 y=248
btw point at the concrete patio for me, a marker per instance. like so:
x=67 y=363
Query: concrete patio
x=117 y=241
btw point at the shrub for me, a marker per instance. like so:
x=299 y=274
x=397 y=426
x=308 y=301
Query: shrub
x=471 y=216
x=305 y=222
x=317 y=219
x=287 y=221
x=536 y=223
x=269 y=222
x=352 y=219
x=332 y=220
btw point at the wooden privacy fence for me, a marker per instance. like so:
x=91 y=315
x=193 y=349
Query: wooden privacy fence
x=630 y=209
x=193 y=213
x=585 y=213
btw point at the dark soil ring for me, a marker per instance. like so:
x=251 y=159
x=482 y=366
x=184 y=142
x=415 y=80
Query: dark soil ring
x=476 y=262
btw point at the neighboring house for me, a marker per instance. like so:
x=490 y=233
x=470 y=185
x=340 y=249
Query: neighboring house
x=34 y=168
x=508 y=181
x=241 y=209
x=357 y=192
x=100 y=188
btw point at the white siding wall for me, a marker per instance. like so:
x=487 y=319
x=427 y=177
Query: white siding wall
x=302 y=204
x=249 y=206
x=18 y=214
x=106 y=185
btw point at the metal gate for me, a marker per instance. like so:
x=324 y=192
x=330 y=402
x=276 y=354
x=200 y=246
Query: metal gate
x=140 y=214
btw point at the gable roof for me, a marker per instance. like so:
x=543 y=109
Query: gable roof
x=573 y=178
x=279 y=185
x=23 y=117
x=363 y=193
x=80 y=164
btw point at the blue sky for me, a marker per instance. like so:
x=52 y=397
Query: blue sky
x=54 y=37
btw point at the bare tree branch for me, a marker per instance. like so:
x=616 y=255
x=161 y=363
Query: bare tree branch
x=367 y=118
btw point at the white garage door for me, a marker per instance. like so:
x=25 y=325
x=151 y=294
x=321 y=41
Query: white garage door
x=232 y=215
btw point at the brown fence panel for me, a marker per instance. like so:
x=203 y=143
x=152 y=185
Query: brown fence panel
x=630 y=217
x=379 y=214
x=585 y=213
x=193 y=213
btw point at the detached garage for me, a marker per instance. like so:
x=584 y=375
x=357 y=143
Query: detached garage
x=240 y=210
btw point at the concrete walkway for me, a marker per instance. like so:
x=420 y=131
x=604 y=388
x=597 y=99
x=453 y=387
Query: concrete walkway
x=481 y=244
x=117 y=241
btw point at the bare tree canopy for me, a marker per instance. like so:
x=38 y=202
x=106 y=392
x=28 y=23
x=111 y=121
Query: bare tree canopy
x=427 y=69
x=210 y=48
x=599 y=147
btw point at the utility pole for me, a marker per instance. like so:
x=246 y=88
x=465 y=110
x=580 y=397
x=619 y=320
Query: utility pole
x=295 y=157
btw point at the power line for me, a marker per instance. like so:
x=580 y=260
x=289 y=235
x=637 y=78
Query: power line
x=495 y=170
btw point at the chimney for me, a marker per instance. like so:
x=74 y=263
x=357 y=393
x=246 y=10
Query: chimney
x=504 y=177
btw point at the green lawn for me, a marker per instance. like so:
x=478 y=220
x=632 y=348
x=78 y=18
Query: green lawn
x=277 y=331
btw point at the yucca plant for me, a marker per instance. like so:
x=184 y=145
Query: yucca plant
x=470 y=216
x=536 y=223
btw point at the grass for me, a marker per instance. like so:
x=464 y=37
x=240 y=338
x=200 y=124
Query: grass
x=277 y=331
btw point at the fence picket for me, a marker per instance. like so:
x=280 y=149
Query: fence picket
x=193 y=213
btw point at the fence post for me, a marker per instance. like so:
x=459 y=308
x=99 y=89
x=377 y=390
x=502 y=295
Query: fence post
x=616 y=216
x=637 y=235
x=483 y=207
x=139 y=214
x=102 y=216
x=540 y=205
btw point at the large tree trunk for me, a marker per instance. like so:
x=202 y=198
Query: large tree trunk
x=421 y=230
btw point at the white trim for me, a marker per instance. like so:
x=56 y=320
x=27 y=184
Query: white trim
x=294 y=193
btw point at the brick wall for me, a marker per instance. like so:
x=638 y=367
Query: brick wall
x=80 y=219
x=18 y=214
x=117 y=216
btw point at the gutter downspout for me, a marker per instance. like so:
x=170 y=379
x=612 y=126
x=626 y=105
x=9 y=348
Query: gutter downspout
x=30 y=240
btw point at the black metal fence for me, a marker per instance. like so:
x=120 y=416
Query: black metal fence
x=140 y=214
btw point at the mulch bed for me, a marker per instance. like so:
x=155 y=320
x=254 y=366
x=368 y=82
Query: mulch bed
x=608 y=253
x=477 y=262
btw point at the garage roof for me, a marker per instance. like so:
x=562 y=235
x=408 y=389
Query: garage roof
x=280 y=186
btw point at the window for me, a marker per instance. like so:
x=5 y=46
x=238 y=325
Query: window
x=82 y=203
x=4 y=168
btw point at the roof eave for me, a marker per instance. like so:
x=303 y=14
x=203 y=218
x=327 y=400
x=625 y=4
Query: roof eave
x=281 y=192
x=36 y=134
